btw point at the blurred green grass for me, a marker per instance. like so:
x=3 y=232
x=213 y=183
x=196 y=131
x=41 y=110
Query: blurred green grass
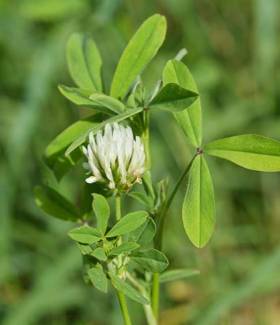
x=234 y=56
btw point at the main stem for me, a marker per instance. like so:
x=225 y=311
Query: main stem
x=121 y=296
x=155 y=284
x=155 y=295
x=124 y=309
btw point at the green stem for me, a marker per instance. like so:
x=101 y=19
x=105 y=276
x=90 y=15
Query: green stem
x=178 y=183
x=146 y=138
x=147 y=307
x=155 y=295
x=124 y=309
x=155 y=286
x=158 y=239
x=118 y=207
x=121 y=296
x=162 y=215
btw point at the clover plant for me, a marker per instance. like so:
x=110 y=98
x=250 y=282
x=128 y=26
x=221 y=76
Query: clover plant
x=125 y=251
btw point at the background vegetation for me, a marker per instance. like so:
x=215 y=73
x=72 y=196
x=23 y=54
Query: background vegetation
x=234 y=56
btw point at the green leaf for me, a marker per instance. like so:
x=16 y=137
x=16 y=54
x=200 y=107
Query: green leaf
x=161 y=194
x=85 y=235
x=76 y=95
x=54 y=204
x=97 y=101
x=148 y=185
x=179 y=274
x=199 y=204
x=109 y=102
x=138 y=94
x=128 y=223
x=94 y=130
x=151 y=259
x=148 y=232
x=145 y=233
x=99 y=253
x=98 y=278
x=60 y=164
x=66 y=137
x=250 y=151
x=173 y=98
x=128 y=290
x=124 y=248
x=84 y=249
x=55 y=152
x=84 y=62
x=140 y=50
x=190 y=119
x=102 y=211
x=143 y=198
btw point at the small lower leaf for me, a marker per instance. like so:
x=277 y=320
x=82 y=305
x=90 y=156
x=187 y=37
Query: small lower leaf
x=128 y=290
x=179 y=274
x=98 y=278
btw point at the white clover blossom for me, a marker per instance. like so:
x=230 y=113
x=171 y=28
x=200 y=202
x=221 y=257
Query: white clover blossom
x=115 y=157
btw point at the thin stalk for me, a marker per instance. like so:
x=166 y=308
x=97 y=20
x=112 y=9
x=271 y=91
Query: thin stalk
x=121 y=296
x=158 y=239
x=178 y=183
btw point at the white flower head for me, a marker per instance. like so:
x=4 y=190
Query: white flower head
x=115 y=157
